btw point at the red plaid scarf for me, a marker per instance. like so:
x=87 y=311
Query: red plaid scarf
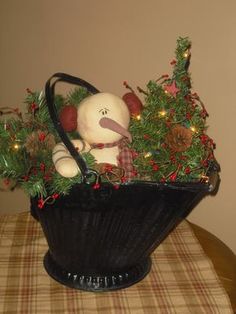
x=125 y=157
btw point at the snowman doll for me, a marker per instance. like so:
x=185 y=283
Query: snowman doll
x=102 y=121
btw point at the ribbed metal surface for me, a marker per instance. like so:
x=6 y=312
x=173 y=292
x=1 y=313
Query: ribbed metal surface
x=100 y=233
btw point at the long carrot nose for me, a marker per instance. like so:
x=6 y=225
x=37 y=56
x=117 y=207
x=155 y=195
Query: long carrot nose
x=110 y=124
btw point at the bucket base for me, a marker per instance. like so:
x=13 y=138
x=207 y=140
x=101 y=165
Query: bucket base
x=112 y=281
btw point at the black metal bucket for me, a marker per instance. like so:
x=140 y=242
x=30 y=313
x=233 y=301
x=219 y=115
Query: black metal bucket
x=102 y=239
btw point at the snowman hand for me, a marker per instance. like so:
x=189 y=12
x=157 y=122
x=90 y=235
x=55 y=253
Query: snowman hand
x=64 y=163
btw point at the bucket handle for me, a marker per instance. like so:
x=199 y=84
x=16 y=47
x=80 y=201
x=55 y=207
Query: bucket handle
x=50 y=96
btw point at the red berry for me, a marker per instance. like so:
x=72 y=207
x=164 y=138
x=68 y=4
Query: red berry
x=55 y=196
x=187 y=170
x=42 y=166
x=42 y=136
x=146 y=136
x=25 y=178
x=188 y=115
x=205 y=163
x=34 y=106
x=6 y=182
x=40 y=203
x=155 y=167
x=96 y=186
x=123 y=179
x=173 y=177
x=134 y=154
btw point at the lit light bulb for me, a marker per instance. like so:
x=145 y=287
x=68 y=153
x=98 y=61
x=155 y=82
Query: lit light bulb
x=193 y=129
x=186 y=54
x=162 y=113
x=16 y=146
x=138 y=117
x=149 y=154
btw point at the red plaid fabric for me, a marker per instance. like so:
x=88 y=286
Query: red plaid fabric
x=125 y=160
x=125 y=157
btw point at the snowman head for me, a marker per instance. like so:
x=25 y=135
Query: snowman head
x=100 y=118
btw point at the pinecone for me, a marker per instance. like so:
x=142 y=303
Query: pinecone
x=179 y=138
x=39 y=141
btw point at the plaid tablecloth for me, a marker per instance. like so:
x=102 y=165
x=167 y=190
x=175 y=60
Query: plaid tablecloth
x=182 y=279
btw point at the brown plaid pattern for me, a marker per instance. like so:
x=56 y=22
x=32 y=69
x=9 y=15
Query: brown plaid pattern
x=182 y=279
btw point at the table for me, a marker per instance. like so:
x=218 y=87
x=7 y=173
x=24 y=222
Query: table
x=182 y=279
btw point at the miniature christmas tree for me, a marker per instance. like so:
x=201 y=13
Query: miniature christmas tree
x=169 y=134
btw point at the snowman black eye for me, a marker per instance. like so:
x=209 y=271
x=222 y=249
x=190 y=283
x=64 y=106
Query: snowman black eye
x=104 y=111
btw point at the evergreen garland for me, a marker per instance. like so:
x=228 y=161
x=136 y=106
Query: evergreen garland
x=26 y=147
x=169 y=136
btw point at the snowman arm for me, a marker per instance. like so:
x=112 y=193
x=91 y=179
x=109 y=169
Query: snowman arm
x=64 y=163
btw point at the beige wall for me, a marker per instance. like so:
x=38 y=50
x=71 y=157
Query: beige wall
x=107 y=42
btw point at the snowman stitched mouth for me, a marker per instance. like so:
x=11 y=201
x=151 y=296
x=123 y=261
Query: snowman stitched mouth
x=112 y=125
